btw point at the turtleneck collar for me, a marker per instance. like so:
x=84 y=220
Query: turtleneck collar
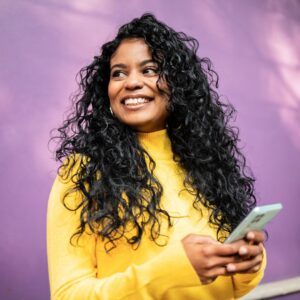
x=157 y=144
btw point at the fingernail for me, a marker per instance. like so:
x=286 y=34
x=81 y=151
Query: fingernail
x=230 y=268
x=243 y=250
x=250 y=235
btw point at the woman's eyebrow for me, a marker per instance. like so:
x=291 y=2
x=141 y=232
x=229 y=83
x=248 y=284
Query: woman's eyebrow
x=144 y=62
x=124 y=66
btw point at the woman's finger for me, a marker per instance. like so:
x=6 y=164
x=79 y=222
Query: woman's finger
x=256 y=236
x=246 y=265
x=250 y=250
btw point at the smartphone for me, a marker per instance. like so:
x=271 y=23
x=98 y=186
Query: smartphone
x=255 y=220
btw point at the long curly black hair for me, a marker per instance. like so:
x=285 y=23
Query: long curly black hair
x=118 y=187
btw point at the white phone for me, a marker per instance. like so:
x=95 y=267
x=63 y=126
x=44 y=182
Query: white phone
x=255 y=220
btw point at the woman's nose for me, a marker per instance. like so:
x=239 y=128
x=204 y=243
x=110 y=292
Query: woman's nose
x=134 y=81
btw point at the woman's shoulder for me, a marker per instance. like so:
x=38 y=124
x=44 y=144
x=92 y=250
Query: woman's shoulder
x=65 y=187
x=71 y=166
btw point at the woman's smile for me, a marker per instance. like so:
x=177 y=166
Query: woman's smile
x=136 y=101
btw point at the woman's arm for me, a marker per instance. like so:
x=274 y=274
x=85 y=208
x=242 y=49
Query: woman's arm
x=73 y=269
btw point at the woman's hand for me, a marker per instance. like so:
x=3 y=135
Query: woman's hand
x=211 y=259
x=250 y=250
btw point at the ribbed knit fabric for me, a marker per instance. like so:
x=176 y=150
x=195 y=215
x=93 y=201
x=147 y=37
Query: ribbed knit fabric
x=151 y=271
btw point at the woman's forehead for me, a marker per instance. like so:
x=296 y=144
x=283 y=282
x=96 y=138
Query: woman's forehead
x=131 y=49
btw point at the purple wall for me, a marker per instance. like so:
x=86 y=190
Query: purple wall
x=255 y=47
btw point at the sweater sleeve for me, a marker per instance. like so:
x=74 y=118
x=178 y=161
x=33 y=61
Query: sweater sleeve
x=73 y=267
x=244 y=283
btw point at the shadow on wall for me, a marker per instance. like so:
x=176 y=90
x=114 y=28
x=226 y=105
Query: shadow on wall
x=283 y=44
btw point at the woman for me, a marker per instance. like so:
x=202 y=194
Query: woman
x=152 y=179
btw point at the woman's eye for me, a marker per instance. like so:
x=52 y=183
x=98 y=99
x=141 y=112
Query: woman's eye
x=118 y=73
x=149 y=70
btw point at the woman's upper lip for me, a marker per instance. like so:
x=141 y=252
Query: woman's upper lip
x=134 y=96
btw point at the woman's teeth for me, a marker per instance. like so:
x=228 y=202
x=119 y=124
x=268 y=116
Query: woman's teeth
x=135 y=101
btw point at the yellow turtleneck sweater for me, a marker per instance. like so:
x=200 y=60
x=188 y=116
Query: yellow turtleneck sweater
x=85 y=271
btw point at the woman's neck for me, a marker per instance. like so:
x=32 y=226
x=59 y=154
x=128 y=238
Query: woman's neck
x=156 y=143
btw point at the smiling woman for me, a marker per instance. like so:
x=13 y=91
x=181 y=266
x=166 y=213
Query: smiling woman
x=151 y=179
x=135 y=91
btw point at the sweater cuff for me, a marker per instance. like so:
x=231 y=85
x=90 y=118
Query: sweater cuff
x=243 y=283
x=172 y=269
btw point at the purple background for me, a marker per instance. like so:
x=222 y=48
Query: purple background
x=255 y=48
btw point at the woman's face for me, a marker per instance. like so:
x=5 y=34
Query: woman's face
x=134 y=97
